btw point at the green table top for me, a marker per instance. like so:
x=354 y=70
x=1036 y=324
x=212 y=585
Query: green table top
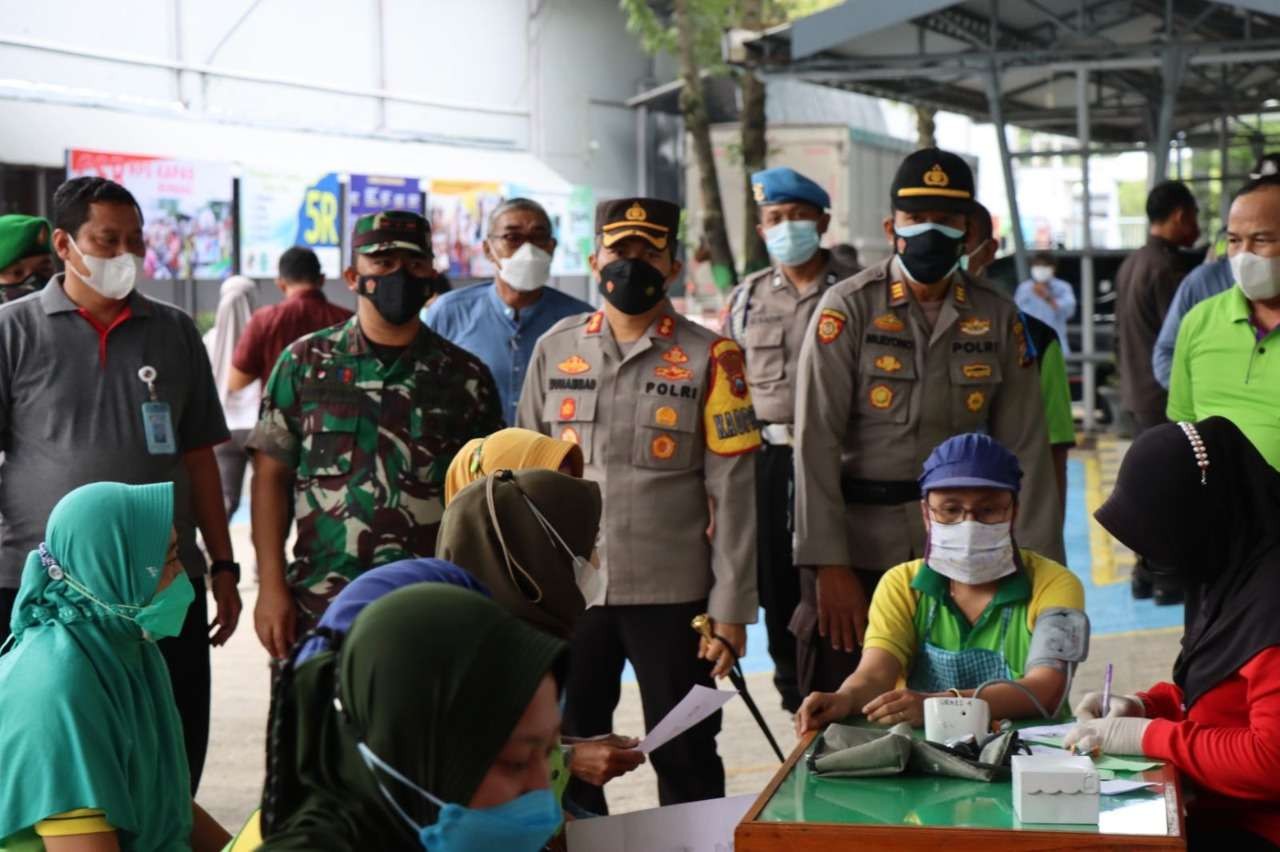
x=927 y=800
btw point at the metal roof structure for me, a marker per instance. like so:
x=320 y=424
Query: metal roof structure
x=1121 y=72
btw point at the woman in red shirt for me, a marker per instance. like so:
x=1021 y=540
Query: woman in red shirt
x=1200 y=500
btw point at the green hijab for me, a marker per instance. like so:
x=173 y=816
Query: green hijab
x=489 y=530
x=433 y=678
x=87 y=717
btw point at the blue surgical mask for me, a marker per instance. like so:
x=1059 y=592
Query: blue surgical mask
x=163 y=617
x=523 y=824
x=792 y=243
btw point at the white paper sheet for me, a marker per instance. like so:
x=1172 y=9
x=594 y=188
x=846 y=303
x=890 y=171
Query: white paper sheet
x=700 y=703
x=695 y=827
x=1117 y=788
x=1051 y=731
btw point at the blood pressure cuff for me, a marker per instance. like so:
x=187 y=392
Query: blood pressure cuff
x=845 y=751
x=1061 y=636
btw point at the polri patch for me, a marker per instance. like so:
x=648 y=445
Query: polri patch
x=1020 y=337
x=675 y=355
x=976 y=371
x=728 y=417
x=975 y=326
x=568 y=408
x=666 y=416
x=663 y=447
x=830 y=323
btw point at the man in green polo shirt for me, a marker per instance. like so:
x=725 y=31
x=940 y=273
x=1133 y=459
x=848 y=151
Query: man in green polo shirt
x=966 y=613
x=1226 y=360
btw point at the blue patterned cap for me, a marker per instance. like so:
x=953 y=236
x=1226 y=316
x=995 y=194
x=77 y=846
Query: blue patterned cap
x=782 y=184
x=972 y=460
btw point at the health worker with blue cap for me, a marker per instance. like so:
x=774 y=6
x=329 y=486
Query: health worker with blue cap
x=897 y=359
x=768 y=315
x=976 y=608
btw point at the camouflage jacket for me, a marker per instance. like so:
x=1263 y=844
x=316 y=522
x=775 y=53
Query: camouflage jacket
x=369 y=444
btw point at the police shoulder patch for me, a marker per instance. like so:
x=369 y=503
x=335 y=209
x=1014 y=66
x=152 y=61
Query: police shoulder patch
x=830 y=323
x=728 y=416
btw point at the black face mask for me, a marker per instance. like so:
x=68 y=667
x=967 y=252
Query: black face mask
x=931 y=255
x=632 y=286
x=398 y=296
x=30 y=284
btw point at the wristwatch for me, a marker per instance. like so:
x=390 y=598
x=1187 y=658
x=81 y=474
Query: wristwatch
x=220 y=565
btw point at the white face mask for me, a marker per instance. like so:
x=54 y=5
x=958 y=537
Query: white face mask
x=112 y=277
x=1041 y=274
x=970 y=552
x=526 y=270
x=1258 y=277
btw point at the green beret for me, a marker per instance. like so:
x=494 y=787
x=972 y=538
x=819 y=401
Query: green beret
x=23 y=236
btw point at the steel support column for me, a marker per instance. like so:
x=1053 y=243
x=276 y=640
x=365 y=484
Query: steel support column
x=1174 y=64
x=1006 y=165
x=1088 y=340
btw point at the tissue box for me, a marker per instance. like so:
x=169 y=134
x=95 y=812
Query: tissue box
x=1052 y=789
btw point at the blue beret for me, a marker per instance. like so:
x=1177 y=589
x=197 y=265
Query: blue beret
x=972 y=460
x=780 y=185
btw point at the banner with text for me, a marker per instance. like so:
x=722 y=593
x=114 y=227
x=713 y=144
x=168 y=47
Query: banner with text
x=186 y=205
x=278 y=211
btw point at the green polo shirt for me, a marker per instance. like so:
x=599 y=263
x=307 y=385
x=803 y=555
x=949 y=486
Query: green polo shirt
x=901 y=603
x=1220 y=367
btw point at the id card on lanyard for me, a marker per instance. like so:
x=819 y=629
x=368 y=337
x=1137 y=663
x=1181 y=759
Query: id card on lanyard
x=157 y=419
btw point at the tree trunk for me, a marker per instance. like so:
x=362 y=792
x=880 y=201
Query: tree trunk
x=754 y=147
x=926 y=130
x=699 y=129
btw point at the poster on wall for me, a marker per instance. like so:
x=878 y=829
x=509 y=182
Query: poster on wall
x=375 y=193
x=186 y=207
x=459 y=211
x=280 y=210
x=572 y=221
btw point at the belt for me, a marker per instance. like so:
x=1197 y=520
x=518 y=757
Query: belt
x=777 y=434
x=877 y=492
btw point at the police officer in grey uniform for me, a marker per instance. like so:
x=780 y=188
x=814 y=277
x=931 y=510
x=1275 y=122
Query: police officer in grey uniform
x=662 y=411
x=768 y=315
x=898 y=358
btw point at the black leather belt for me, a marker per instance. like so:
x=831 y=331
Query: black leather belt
x=878 y=492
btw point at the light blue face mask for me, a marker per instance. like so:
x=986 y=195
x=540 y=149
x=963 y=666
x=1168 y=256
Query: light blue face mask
x=792 y=243
x=523 y=824
x=162 y=617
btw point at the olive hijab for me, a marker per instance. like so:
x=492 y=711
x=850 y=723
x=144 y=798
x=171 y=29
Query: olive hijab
x=87 y=716
x=497 y=528
x=432 y=678
x=1202 y=500
x=509 y=449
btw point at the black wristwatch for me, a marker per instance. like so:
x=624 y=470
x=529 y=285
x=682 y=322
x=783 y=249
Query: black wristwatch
x=220 y=565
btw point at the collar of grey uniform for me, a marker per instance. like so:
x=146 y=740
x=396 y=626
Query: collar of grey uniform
x=828 y=276
x=897 y=272
x=54 y=299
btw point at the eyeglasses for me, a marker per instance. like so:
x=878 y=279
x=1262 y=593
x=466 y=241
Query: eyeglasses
x=513 y=241
x=954 y=513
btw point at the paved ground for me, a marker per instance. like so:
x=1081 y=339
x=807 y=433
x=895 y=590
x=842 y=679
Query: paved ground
x=1135 y=637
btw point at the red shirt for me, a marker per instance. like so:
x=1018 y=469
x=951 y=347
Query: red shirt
x=273 y=328
x=1229 y=745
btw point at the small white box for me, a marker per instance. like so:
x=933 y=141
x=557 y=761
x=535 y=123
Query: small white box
x=948 y=718
x=1052 y=789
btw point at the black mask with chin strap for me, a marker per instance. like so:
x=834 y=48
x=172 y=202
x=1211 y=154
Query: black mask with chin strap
x=398 y=296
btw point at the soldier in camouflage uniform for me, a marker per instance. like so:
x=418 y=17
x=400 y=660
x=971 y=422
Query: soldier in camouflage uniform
x=359 y=424
x=26 y=255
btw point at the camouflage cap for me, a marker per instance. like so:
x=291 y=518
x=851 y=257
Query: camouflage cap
x=23 y=236
x=389 y=230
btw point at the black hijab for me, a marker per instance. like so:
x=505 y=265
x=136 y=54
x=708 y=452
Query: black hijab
x=1212 y=513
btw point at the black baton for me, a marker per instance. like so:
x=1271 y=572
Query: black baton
x=702 y=624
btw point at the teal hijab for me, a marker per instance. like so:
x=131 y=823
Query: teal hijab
x=87 y=717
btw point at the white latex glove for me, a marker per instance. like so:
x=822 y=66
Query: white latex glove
x=1090 y=706
x=1113 y=735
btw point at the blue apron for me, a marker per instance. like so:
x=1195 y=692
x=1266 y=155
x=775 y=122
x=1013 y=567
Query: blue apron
x=937 y=669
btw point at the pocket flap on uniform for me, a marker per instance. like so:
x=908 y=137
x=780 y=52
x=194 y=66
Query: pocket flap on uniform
x=566 y=406
x=975 y=370
x=764 y=335
x=675 y=415
x=888 y=362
